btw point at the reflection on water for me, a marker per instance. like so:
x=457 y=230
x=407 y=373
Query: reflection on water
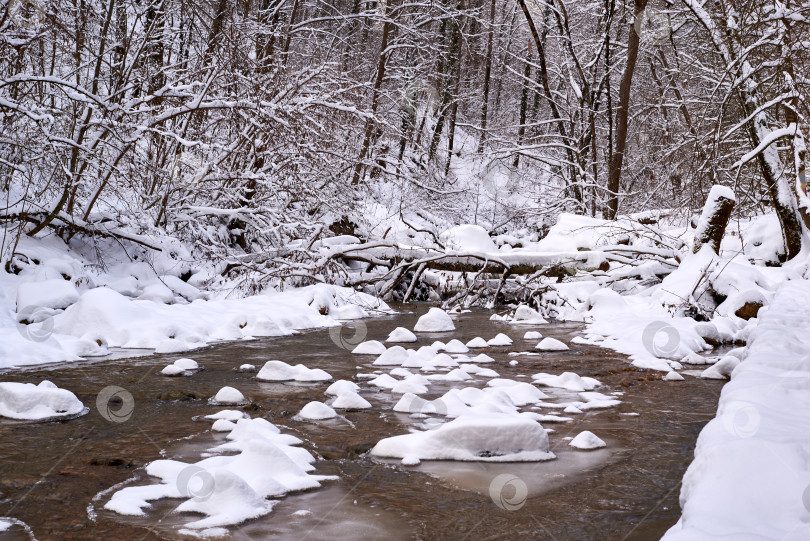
x=539 y=477
x=50 y=472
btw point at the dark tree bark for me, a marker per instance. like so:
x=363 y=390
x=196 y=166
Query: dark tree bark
x=623 y=113
x=487 y=77
x=375 y=98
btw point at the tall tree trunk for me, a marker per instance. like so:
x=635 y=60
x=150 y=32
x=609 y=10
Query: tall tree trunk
x=623 y=112
x=375 y=97
x=524 y=104
x=216 y=29
x=448 y=94
x=487 y=77
x=269 y=13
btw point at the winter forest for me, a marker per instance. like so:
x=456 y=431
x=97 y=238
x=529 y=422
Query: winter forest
x=366 y=269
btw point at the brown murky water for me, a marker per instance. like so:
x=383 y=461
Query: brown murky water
x=56 y=476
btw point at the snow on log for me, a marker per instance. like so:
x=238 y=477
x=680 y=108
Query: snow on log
x=714 y=219
x=390 y=255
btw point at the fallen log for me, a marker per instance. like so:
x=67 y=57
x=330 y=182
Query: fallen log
x=391 y=256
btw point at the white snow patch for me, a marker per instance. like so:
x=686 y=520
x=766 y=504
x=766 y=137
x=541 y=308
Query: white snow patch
x=370 y=347
x=455 y=346
x=281 y=371
x=350 y=401
x=54 y=294
x=342 y=386
x=228 y=396
x=500 y=340
x=38 y=402
x=316 y=411
x=750 y=473
x=477 y=342
x=551 y=344
x=722 y=369
x=435 y=320
x=586 y=440
x=227 y=489
x=567 y=380
x=401 y=334
x=468 y=238
x=490 y=438
x=393 y=356
x=525 y=315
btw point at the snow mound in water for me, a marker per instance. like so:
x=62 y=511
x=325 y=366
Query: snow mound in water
x=223 y=425
x=525 y=315
x=394 y=356
x=416 y=384
x=342 y=386
x=586 y=440
x=456 y=346
x=281 y=371
x=478 y=371
x=500 y=340
x=172 y=370
x=370 y=347
x=384 y=381
x=31 y=402
x=482 y=358
x=722 y=369
x=232 y=501
x=436 y=320
x=228 y=396
x=694 y=358
x=350 y=401
x=594 y=400
x=491 y=438
x=187 y=364
x=228 y=489
x=316 y=411
x=468 y=238
x=442 y=360
x=401 y=334
x=228 y=415
x=551 y=344
x=673 y=376
x=454 y=375
x=477 y=342
x=532 y=335
x=180 y=367
x=519 y=392
x=567 y=380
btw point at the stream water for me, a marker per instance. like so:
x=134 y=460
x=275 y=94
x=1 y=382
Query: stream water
x=55 y=476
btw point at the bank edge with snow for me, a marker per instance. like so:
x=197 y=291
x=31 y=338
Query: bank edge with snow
x=750 y=479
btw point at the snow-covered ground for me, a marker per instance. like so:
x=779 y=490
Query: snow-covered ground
x=57 y=307
x=750 y=479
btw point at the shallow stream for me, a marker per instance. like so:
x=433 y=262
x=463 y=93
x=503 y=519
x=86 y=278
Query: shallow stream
x=56 y=476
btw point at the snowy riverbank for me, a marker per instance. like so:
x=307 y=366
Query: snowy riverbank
x=750 y=479
x=57 y=307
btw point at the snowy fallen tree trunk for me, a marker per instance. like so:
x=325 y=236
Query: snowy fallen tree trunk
x=714 y=219
x=392 y=256
x=407 y=264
